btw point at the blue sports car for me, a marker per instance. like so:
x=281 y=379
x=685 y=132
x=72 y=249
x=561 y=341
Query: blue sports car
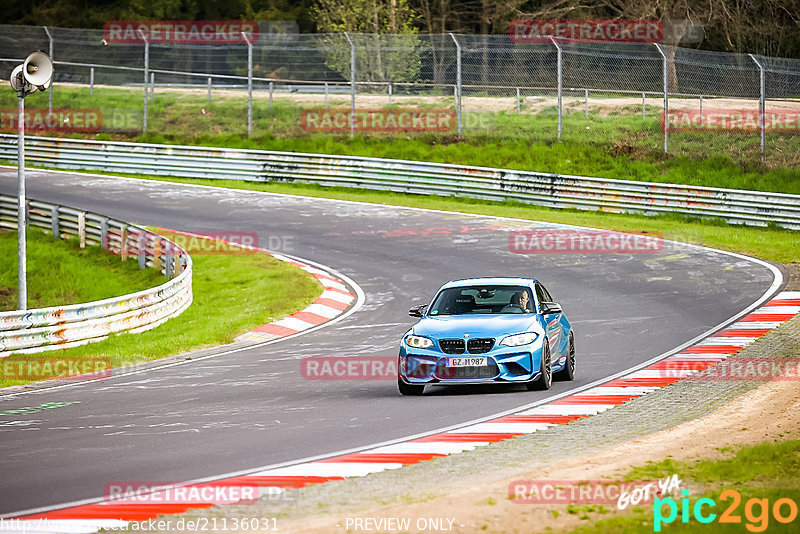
x=487 y=330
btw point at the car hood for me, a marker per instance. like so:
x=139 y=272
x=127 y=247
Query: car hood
x=445 y=326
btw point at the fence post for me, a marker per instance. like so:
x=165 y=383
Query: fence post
x=208 y=98
x=146 y=69
x=643 y=112
x=352 y=85
x=82 y=228
x=271 y=88
x=91 y=81
x=390 y=93
x=326 y=95
x=152 y=85
x=666 y=97
x=701 y=104
x=54 y=229
x=586 y=100
x=105 y=241
x=169 y=263
x=458 y=83
x=762 y=104
x=123 y=250
x=157 y=253
x=249 y=84
x=50 y=90
x=560 y=80
x=518 y=106
x=141 y=245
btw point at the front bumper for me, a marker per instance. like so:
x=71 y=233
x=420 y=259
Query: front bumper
x=505 y=364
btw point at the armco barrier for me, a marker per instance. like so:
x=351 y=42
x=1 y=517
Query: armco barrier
x=552 y=190
x=67 y=326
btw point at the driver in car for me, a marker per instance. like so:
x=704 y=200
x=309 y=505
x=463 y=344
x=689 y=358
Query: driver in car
x=521 y=299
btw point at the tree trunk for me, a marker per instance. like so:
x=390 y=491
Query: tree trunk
x=485 y=48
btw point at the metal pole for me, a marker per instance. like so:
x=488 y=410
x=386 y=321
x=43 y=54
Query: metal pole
x=518 y=108
x=22 y=211
x=146 y=69
x=50 y=90
x=390 y=93
x=152 y=84
x=643 y=112
x=208 y=98
x=271 y=88
x=326 y=95
x=352 y=85
x=560 y=80
x=249 y=84
x=701 y=104
x=586 y=99
x=666 y=98
x=458 y=83
x=91 y=81
x=762 y=104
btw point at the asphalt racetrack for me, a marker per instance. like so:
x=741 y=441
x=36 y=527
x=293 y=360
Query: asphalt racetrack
x=252 y=408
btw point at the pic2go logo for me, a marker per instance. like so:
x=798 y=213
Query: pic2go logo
x=756 y=511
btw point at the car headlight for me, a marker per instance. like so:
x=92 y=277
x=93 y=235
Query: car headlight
x=519 y=339
x=418 y=342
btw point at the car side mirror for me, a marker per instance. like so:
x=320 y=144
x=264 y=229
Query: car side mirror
x=418 y=311
x=550 y=308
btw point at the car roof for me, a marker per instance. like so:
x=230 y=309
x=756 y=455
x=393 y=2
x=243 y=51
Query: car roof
x=490 y=281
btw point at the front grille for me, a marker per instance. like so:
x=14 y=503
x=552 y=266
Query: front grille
x=452 y=346
x=475 y=371
x=480 y=345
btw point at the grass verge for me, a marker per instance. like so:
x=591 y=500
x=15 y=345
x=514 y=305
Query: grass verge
x=59 y=272
x=258 y=289
x=760 y=474
x=618 y=144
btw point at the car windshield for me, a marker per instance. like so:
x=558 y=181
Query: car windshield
x=483 y=299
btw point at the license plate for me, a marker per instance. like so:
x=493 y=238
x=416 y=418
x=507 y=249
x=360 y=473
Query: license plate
x=466 y=362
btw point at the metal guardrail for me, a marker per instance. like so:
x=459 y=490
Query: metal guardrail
x=545 y=189
x=24 y=331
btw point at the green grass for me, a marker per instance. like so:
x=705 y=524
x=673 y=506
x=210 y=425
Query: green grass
x=59 y=272
x=618 y=145
x=771 y=243
x=769 y=470
x=258 y=289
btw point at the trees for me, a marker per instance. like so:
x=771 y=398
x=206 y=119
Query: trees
x=379 y=57
x=768 y=27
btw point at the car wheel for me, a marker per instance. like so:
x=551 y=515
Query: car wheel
x=545 y=379
x=568 y=373
x=409 y=389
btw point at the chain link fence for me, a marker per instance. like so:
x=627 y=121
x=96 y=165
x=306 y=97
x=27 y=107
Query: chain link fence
x=636 y=96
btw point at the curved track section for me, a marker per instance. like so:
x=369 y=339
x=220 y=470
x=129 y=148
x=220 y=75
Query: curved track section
x=252 y=409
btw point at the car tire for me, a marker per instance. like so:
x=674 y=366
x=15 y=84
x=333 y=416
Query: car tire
x=545 y=379
x=410 y=389
x=568 y=372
